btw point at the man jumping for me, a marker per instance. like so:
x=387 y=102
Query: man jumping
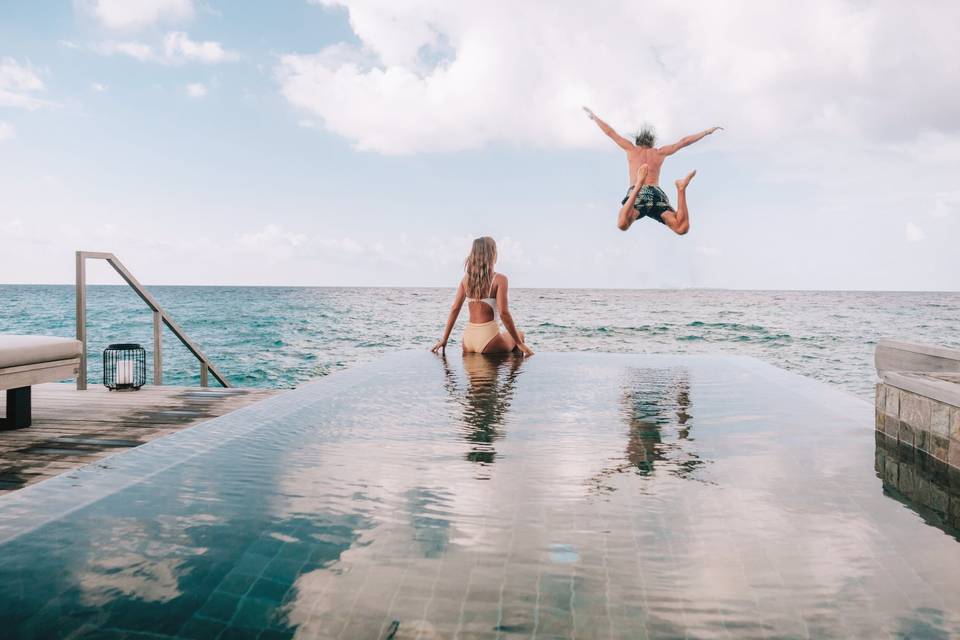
x=645 y=197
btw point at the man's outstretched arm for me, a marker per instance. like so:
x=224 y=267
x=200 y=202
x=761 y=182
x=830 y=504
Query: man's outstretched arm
x=622 y=142
x=670 y=149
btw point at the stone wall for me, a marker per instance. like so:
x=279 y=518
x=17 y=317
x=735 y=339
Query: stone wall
x=928 y=486
x=928 y=425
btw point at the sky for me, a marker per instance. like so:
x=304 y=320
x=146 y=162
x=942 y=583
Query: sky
x=366 y=142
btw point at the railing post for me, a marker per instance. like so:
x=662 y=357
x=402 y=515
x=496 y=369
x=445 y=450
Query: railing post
x=203 y=373
x=82 y=318
x=157 y=348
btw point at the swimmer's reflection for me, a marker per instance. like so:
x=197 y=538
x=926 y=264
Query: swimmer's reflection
x=484 y=400
x=655 y=406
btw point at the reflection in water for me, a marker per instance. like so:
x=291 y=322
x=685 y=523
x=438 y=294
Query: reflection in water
x=484 y=401
x=189 y=552
x=346 y=509
x=927 y=485
x=656 y=407
x=429 y=519
x=141 y=560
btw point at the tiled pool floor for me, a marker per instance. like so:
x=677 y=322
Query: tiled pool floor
x=570 y=495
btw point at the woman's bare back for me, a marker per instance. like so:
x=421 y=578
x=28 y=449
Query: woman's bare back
x=481 y=312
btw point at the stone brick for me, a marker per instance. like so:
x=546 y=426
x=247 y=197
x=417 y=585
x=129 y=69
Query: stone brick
x=891 y=471
x=892 y=402
x=880 y=419
x=953 y=514
x=921 y=490
x=905 y=433
x=953 y=481
x=939 y=499
x=955 y=423
x=881 y=397
x=907 y=485
x=938 y=447
x=953 y=456
x=940 y=418
x=915 y=411
x=920 y=440
x=891 y=427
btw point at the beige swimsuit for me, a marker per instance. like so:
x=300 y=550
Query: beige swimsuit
x=477 y=336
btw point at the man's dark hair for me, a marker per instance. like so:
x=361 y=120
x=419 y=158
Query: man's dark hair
x=645 y=137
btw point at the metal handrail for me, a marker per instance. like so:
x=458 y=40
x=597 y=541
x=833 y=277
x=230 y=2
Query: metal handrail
x=160 y=318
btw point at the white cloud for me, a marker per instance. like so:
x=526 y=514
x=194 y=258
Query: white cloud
x=7 y=131
x=196 y=90
x=12 y=228
x=176 y=48
x=390 y=255
x=98 y=87
x=136 y=14
x=271 y=238
x=914 y=233
x=18 y=84
x=436 y=76
x=138 y=50
x=946 y=204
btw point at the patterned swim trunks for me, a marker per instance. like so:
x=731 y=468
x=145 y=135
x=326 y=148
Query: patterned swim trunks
x=651 y=202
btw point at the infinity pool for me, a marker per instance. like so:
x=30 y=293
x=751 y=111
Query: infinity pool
x=570 y=495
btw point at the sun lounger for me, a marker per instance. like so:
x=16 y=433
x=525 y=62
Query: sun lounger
x=30 y=360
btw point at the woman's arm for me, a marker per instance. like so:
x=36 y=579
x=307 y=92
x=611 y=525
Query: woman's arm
x=451 y=319
x=507 y=318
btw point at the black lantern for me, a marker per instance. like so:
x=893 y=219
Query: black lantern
x=124 y=367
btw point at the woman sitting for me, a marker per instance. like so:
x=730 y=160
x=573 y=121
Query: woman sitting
x=485 y=292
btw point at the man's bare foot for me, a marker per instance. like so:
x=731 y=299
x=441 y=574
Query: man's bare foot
x=682 y=184
x=641 y=174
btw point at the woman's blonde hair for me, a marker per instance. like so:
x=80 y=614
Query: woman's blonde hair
x=479 y=267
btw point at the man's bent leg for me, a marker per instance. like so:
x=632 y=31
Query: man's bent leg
x=628 y=215
x=681 y=219
x=671 y=220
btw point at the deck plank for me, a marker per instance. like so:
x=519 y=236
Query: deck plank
x=72 y=428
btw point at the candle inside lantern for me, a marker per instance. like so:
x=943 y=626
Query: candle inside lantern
x=124 y=372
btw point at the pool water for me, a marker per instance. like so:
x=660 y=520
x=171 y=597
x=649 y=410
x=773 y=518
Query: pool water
x=569 y=495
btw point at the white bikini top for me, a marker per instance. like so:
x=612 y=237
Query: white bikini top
x=492 y=302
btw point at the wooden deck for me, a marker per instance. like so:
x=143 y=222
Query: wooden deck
x=72 y=428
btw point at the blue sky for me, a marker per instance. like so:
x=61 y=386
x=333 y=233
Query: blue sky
x=360 y=142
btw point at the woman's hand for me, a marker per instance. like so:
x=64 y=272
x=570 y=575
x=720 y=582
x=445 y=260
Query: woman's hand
x=525 y=350
x=441 y=346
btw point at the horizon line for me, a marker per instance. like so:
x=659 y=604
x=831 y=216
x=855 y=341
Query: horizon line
x=553 y=288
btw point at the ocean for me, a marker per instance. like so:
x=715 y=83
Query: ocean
x=283 y=336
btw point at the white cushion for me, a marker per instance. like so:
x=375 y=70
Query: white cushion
x=16 y=351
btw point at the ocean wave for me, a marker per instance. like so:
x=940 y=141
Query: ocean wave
x=730 y=326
